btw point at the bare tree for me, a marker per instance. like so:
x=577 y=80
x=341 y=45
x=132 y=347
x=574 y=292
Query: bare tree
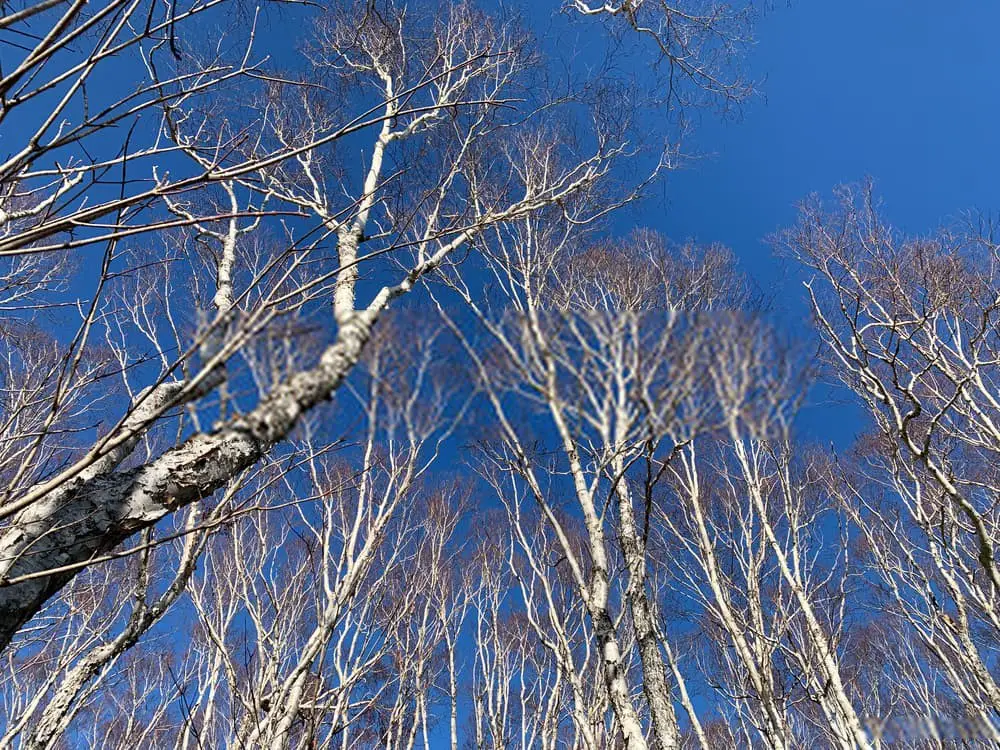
x=759 y=542
x=602 y=342
x=909 y=325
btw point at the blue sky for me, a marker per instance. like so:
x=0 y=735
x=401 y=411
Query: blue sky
x=903 y=91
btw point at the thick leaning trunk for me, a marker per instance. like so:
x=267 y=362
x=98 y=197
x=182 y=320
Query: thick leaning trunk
x=89 y=516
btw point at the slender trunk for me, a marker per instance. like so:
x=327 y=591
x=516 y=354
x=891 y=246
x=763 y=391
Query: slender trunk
x=614 y=678
x=654 y=683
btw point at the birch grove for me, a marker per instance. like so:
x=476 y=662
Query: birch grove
x=338 y=409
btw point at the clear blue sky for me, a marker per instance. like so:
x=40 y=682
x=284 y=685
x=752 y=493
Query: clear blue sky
x=906 y=91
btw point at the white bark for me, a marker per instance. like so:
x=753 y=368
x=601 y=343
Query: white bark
x=93 y=513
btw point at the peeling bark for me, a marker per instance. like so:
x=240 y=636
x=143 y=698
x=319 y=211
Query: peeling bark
x=50 y=541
